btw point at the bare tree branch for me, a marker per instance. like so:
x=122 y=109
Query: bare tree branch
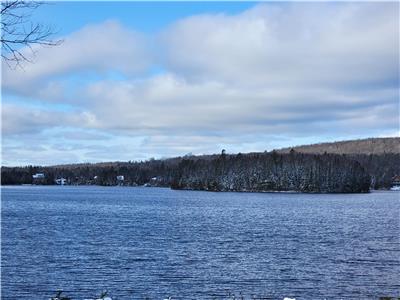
x=19 y=32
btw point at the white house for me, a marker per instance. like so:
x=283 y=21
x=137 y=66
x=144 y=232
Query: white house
x=120 y=177
x=38 y=176
x=61 y=181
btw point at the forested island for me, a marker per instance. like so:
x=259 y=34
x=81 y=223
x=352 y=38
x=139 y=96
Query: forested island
x=291 y=169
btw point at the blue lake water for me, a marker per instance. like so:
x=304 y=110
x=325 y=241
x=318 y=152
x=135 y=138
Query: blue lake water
x=156 y=243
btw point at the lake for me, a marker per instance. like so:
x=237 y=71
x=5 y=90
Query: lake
x=138 y=242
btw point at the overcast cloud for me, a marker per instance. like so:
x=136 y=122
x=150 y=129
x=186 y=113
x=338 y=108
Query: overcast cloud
x=271 y=76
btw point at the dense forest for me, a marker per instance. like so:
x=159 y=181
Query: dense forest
x=258 y=172
x=266 y=171
x=380 y=157
x=242 y=172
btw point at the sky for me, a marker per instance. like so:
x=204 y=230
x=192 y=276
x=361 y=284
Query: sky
x=134 y=80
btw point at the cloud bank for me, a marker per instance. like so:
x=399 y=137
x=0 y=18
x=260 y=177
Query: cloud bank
x=274 y=75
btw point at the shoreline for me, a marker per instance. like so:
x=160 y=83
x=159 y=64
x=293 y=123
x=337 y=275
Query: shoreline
x=194 y=190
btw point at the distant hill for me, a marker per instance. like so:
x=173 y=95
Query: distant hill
x=364 y=146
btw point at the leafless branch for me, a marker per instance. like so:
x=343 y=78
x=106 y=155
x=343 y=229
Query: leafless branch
x=19 y=32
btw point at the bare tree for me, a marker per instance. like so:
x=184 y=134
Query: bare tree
x=18 y=31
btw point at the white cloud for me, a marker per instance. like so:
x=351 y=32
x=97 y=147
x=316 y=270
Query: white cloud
x=172 y=105
x=99 y=48
x=241 y=82
x=20 y=120
x=292 y=44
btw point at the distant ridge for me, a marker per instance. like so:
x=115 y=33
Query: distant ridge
x=362 y=146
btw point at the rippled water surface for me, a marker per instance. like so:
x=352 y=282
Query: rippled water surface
x=155 y=243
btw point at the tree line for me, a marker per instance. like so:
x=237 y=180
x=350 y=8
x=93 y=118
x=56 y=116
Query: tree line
x=268 y=171
x=258 y=172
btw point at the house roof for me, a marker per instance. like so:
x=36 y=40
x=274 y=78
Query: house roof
x=396 y=178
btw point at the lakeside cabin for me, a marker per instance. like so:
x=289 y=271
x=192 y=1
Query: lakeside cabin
x=61 y=181
x=38 y=176
x=120 y=179
x=396 y=182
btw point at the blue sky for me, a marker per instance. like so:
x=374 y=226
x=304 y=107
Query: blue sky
x=136 y=80
x=146 y=17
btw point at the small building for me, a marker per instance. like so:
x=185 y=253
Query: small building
x=396 y=181
x=38 y=176
x=120 y=180
x=154 y=181
x=61 y=181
